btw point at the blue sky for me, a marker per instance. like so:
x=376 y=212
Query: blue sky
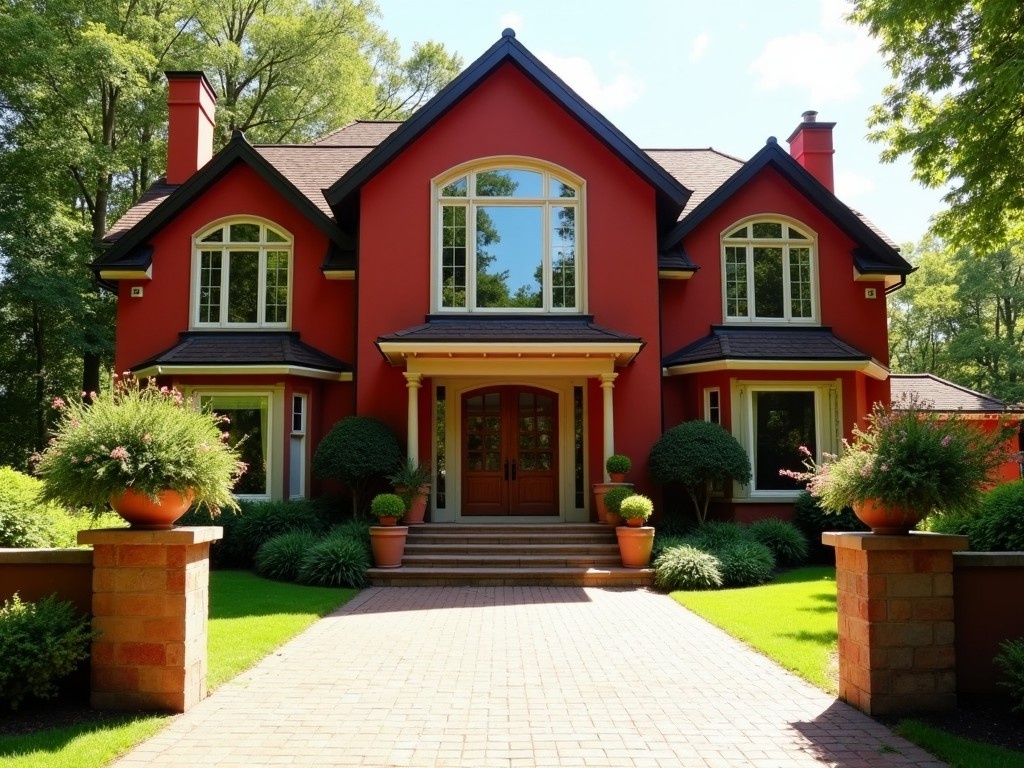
x=724 y=74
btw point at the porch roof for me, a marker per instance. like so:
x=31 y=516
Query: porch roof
x=940 y=395
x=509 y=337
x=244 y=352
x=761 y=348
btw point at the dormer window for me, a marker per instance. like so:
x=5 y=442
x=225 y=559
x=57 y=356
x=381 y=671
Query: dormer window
x=508 y=240
x=769 y=273
x=241 y=276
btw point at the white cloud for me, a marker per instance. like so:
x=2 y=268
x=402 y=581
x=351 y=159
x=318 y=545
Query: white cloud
x=827 y=62
x=852 y=186
x=512 y=20
x=700 y=46
x=620 y=91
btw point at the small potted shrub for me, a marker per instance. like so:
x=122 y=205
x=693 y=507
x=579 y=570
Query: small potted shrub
x=613 y=499
x=636 y=540
x=387 y=540
x=412 y=482
x=618 y=467
x=142 y=449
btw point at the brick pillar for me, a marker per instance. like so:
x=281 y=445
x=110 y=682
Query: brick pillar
x=150 y=604
x=895 y=607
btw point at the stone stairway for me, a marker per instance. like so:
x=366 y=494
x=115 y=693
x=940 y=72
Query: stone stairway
x=581 y=555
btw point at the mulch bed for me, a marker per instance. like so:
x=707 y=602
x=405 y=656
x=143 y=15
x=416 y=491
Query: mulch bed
x=64 y=712
x=985 y=720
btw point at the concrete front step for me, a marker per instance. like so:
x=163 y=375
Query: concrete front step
x=526 y=554
x=409 y=576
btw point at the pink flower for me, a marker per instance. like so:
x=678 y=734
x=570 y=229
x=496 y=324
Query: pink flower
x=946 y=441
x=59 y=403
x=120 y=452
x=804 y=450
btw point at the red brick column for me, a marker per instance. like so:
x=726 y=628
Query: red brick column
x=895 y=607
x=150 y=604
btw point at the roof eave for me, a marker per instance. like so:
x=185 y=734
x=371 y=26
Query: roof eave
x=869 y=367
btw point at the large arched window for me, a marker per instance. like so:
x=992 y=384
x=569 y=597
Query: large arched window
x=241 y=276
x=508 y=239
x=769 y=273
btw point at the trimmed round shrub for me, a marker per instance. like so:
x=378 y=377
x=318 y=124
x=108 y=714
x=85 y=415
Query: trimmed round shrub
x=745 y=563
x=387 y=505
x=636 y=506
x=999 y=526
x=717 y=534
x=618 y=464
x=337 y=561
x=281 y=557
x=355 y=451
x=786 y=543
x=40 y=643
x=615 y=496
x=813 y=521
x=685 y=567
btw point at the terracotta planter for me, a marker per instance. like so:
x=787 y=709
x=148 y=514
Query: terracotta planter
x=142 y=513
x=617 y=477
x=887 y=520
x=634 y=522
x=418 y=509
x=635 y=545
x=388 y=545
x=612 y=518
x=388 y=522
x=600 y=489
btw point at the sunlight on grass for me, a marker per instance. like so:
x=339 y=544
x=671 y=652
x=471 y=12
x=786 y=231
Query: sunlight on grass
x=791 y=620
x=958 y=752
x=249 y=618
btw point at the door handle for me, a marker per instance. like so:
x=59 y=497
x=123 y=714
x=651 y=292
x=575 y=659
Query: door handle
x=506 y=469
x=513 y=470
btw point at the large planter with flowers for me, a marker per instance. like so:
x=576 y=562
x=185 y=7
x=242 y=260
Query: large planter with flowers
x=142 y=449
x=907 y=463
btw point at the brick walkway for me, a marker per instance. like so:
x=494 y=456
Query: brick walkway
x=520 y=676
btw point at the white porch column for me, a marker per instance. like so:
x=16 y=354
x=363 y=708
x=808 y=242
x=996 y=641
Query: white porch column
x=413 y=382
x=607 y=387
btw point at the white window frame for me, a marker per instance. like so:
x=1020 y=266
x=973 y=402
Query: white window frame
x=828 y=405
x=785 y=243
x=297 y=446
x=713 y=408
x=275 y=436
x=546 y=202
x=262 y=247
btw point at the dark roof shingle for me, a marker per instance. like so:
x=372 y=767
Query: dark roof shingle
x=218 y=349
x=941 y=395
x=510 y=328
x=795 y=344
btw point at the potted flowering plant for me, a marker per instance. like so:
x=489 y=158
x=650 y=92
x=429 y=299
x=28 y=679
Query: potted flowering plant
x=412 y=482
x=143 y=450
x=907 y=463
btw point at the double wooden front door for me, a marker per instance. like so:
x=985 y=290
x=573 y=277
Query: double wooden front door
x=510 y=452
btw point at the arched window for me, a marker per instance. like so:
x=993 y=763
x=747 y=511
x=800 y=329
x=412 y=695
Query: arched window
x=769 y=273
x=508 y=239
x=241 y=276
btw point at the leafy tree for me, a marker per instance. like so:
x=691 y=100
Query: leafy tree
x=355 y=451
x=956 y=107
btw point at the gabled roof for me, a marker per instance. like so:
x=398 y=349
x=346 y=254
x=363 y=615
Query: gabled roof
x=873 y=255
x=940 y=395
x=771 y=348
x=671 y=195
x=163 y=203
x=245 y=352
x=359 y=133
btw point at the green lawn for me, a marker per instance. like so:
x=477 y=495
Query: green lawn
x=792 y=620
x=249 y=618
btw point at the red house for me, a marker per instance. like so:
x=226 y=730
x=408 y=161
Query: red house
x=511 y=284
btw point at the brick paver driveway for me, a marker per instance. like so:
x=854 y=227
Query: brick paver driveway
x=520 y=676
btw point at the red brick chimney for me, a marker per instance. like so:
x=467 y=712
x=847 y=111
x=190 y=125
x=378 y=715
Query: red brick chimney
x=190 y=106
x=811 y=146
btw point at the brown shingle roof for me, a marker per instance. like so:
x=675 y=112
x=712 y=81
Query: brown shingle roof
x=312 y=168
x=816 y=344
x=218 y=349
x=361 y=133
x=510 y=328
x=701 y=170
x=941 y=395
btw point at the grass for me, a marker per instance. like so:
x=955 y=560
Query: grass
x=249 y=618
x=792 y=620
x=957 y=751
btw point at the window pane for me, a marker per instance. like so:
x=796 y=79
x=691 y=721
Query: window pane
x=243 y=286
x=511 y=182
x=248 y=426
x=768 y=283
x=276 y=307
x=800 y=282
x=456 y=188
x=217 y=236
x=563 y=257
x=245 y=233
x=453 y=256
x=783 y=421
x=741 y=232
x=559 y=188
x=796 y=234
x=736 y=281
x=209 y=286
x=509 y=257
x=767 y=229
x=273 y=236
